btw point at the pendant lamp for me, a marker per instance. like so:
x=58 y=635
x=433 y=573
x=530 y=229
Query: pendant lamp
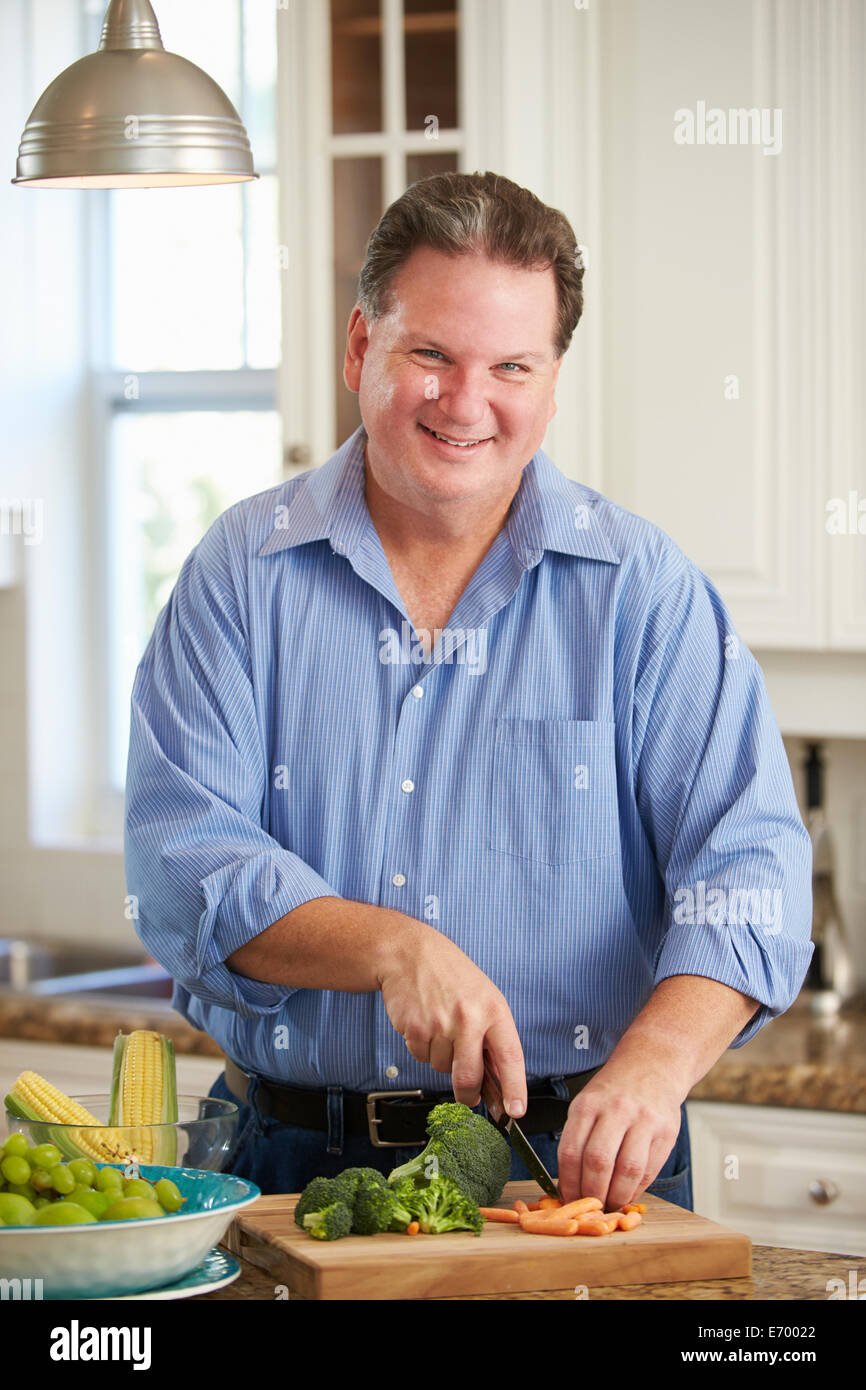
x=133 y=116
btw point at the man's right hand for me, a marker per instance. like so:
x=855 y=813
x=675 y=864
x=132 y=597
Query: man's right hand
x=448 y=1012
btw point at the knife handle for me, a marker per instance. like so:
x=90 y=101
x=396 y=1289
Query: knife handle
x=491 y=1091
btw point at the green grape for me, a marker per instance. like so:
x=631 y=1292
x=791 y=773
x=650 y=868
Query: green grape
x=45 y=1156
x=168 y=1194
x=41 y=1179
x=63 y=1180
x=15 y=1169
x=62 y=1214
x=109 y=1180
x=41 y=1202
x=23 y=1189
x=138 y=1187
x=16 y=1146
x=83 y=1171
x=132 y=1209
x=95 y=1202
x=15 y=1210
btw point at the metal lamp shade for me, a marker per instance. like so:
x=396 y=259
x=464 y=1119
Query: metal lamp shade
x=133 y=116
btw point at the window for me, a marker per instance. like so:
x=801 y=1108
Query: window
x=185 y=345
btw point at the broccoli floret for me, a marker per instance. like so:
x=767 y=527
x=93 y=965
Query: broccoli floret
x=316 y=1195
x=441 y=1206
x=351 y=1181
x=373 y=1210
x=464 y=1147
x=330 y=1223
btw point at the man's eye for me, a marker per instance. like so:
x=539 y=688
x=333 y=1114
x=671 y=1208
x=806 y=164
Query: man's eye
x=429 y=352
x=518 y=365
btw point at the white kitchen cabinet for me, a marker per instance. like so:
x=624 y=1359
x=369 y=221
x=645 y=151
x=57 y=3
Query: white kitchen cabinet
x=792 y=1178
x=733 y=304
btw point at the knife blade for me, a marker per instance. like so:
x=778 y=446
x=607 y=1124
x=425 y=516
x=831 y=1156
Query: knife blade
x=491 y=1094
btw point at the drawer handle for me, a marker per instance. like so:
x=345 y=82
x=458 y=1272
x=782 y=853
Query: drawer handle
x=823 y=1192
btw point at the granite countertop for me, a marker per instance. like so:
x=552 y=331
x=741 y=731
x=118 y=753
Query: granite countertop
x=777 y=1274
x=798 y=1060
x=94 y=1021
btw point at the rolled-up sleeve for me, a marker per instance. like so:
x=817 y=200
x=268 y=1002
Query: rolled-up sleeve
x=715 y=795
x=206 y=875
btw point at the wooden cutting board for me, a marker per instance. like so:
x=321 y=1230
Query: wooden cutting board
x=671 y=1244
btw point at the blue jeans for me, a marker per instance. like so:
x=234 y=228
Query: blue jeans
x=283 y=1158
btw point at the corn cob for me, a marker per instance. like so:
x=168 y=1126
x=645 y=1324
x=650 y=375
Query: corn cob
x=144 y=1093
x=34 y=1098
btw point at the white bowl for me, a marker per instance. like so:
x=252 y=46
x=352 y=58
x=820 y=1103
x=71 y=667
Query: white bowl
x=110 y=1258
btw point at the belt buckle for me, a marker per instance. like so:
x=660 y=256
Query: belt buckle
x=373 y=1120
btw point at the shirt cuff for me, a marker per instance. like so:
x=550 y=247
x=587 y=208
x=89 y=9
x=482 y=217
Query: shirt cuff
x=766 y=966
x=242 y=900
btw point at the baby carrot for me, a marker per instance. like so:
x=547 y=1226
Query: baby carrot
x=583 y=1204
x=582 y=1207
x=413 y=1228
x=546 y=1203
x=500 y=1214
x=628 y=1221
x=536 y=1226
x=592 y=1225
x=520 y=1205
x=633 y=1206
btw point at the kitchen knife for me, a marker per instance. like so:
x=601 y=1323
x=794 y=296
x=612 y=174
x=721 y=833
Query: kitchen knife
x=491 y=1094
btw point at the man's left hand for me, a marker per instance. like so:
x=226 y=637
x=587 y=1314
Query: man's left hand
x=620 y=1129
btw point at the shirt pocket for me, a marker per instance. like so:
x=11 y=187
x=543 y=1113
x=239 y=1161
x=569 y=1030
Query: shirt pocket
x=553 y=790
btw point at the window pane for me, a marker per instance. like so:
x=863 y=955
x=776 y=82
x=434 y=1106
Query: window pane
x=421 y=166
x=177 y=278
x=207 y=33
x=171 y=476
x=260 y=74
x=263 y=273
x=431 y=62
x=356 y=66
x=357 y=209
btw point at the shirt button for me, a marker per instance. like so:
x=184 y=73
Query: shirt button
x=407 y=785
x=418 y=691
x=398 y=880
x=391 y=1071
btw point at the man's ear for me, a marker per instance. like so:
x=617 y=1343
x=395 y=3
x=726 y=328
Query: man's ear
x=357 y=338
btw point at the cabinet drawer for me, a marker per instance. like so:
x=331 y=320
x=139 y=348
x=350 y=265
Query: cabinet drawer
x=789 y=1178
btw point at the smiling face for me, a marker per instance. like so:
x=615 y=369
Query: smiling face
x=467 y=352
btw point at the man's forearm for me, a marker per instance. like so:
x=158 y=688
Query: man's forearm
x=685 y=1026
x=327 y=943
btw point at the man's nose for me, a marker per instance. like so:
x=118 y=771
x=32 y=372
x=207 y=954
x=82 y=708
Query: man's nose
x=463 y=396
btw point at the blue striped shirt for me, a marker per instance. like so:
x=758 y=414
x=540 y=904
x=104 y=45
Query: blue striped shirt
x=585 y=787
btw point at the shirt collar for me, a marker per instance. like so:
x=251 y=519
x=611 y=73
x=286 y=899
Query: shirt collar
x=549 y=511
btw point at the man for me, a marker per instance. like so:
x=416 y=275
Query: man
x=436 y=754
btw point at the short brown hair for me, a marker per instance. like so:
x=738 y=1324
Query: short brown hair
x=462 y=214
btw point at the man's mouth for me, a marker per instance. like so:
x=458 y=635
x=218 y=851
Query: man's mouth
x=465 y=446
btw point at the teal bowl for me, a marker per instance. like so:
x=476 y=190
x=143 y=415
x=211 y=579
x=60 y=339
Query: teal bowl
x=108 y=1259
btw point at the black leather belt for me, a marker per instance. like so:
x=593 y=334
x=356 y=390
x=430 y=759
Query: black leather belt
x=391 y=1118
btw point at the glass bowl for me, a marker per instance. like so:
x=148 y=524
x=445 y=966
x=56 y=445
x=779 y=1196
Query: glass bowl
x=201 y=1138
